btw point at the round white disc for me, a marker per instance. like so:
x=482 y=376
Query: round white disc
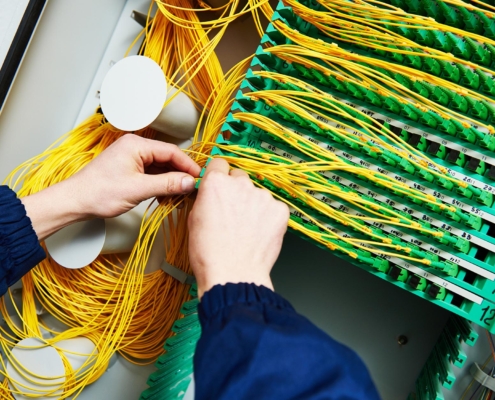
x=44 y=361
x=77 y=245
x=133 y=93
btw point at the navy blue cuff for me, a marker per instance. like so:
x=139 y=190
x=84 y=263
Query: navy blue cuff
x=220 y=297
x=19 y=246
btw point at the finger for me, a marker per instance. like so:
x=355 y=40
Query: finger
x=238 y=173
x=169 y=184
x=218 y=165
x=158 y=152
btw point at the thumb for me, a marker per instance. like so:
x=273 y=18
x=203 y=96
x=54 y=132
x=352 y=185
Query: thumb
x=168 y=184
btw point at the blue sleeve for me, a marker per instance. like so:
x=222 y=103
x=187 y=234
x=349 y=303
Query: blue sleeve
x=19 y=247
x=255 y=346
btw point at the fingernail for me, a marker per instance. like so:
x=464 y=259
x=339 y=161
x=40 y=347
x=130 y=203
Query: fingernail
x=188 y=184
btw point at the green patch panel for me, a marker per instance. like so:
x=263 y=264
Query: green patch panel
x=463 y=75
x=447 y=355
x=461 y=271
x=175 y=366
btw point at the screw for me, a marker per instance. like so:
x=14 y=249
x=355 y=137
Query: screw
x=402 y=340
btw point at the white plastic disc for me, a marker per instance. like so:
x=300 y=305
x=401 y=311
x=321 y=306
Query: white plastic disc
x=77 y=245
x=133 y=93
x=44 y=361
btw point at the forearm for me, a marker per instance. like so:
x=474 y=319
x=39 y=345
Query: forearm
x=53 y=209
x=254 y=345
x=19 y=247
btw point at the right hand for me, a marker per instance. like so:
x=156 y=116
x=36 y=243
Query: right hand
x=235 y=229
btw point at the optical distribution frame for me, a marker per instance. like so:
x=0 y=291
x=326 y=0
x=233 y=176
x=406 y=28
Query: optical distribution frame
x=461 y=275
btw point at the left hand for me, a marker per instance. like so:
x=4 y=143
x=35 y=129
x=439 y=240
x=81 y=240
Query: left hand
x=129 y=171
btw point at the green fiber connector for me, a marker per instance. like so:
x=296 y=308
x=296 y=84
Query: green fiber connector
x=488 y=25
x=479 y=169
x=442 y=152
x=406 y=166
x=354 y=90
x=369 y=151
x=404 y=81
x=194 y=290
x=431 y=10
x=445 y=183
x=268 y=59
x=485 y=198
x=450 y=16
x=441 y=42
x=460 y=160
x=426 y=175
x=491 y=49
x=468 y=77
x=428 y=120
x=448 y=127
x=403 y=275
x=464 y=192
x=390 y=158
x=425 y=37
x=474 y=222
x=462 y=245
x=397 y=57
x=487 y=84
x=488 y=142
x=468 y=135
x=471 y=22
x=189 y=336
x=418 y=283
x=449 y=71
x=413 y=61
x=454 y=268
x=392 y=105
x=441 y=266
x=432 y=66
x=422 y=144
x=405 y=31
x=303 y=71
x=414 y=6
x=185 y=323
x=421 y=89
x=480 y=54
x=409 y=111
x=418 y=253
x=440 y=96
x=437 y=292
x=189 y=307
x=477 y=109
x=373 y=98
x=320 y=77
x=459 y=103
x=452 y=215
x=459 y=47
x=450 y=268
x=353 y=145
x=337 y=85
x=433 y=207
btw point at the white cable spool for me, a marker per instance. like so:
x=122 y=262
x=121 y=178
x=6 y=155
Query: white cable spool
x=133 y=95
x=80 y=244
x=42 y=361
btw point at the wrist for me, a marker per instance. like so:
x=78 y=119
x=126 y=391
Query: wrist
x=205 y=283
x=53 y=209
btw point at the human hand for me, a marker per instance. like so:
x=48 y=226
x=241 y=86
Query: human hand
x=235 y=229
x=131 y=170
